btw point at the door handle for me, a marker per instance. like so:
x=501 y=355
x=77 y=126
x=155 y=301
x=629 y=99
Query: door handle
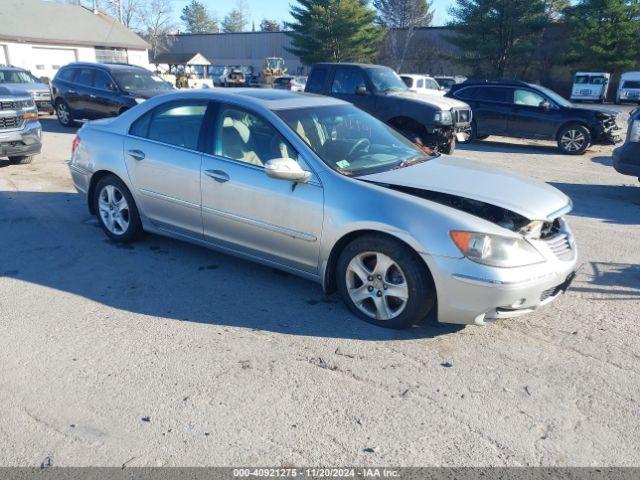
x=92 y=96
x=217 y=175
x=136 y=154
x=72 y=91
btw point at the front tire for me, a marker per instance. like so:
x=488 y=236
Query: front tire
x=574 y=139
x=116 y=210
x=21 y=159
x=384 y=282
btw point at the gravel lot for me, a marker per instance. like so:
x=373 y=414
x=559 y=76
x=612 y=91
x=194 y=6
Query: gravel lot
x=163 y=353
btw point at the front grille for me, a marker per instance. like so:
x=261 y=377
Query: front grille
x=9 y=105
x=560 y=245
x=462 y=116
x=7 y=123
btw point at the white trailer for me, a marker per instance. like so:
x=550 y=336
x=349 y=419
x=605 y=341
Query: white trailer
x=590 y=86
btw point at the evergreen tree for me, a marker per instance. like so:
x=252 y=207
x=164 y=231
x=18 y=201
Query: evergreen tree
x=269 y=25
x=197 y=18
x=333 y=30
x=604 y=34
x=237 y=19
x=497 y=36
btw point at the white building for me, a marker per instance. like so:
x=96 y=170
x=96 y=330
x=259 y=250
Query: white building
x=42 y=36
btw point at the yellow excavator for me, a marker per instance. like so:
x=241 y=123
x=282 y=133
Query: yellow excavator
x=273 y=68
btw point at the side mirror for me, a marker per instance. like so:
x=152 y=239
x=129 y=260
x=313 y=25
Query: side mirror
x=441 y=87
x=286 y=169
x=112 y=86
x=545 y=105
x=362 y=90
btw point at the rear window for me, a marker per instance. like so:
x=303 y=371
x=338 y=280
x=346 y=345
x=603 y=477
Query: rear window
x=467 y=93
x=316 y=80
x=494 y=94
x=66 y=74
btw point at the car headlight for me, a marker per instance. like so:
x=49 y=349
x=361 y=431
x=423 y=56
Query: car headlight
x=496 y=250
x=634 y=131
x=443 y=116
x=139 y=100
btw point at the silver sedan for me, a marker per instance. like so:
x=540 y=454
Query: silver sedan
x=317 y=187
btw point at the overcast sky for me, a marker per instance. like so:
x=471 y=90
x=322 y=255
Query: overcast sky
x=279 y=9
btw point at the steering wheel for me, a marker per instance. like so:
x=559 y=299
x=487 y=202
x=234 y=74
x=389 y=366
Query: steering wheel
x=360 y=144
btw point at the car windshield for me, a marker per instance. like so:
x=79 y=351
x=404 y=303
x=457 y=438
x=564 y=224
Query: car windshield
x=631 y=84
x=136 y=80
x=350 y=140
x=16 y=76
x=386 y=80
x=559 y=99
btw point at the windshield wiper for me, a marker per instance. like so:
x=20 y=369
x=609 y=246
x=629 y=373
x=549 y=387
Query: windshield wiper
x=413 y=161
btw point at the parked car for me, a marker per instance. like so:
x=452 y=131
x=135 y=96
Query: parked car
x=427 y=119
x=290 y=82
x=629 y=88
x=446 y=82
x=21 y=80
x=523 y=110
x=235 y=77
x=591 y=86
x=315 y=186
x=20 y=130
x=87 y=91
x=626 y=158
x=422 y=84
x=219 y=74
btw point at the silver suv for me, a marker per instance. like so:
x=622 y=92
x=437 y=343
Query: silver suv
x=22 y=81
x=20 y=130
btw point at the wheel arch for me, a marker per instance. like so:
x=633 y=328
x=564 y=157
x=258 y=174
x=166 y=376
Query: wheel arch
x=329 y=271
x=95 y=178
x=564 y=125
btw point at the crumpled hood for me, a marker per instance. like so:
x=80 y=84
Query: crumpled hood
x=443 y=103
x=611 y=113
x=530 y=198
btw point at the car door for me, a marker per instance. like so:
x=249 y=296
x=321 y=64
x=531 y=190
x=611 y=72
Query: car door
x=104 y=99
x=163 y=159
x=346 y=84
x=245 y=210
x=532 y=115
x=491 y=109
x=83 y=88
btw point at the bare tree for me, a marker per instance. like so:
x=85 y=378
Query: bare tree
x=130 y=9
x=401 y=18
x=157 y=22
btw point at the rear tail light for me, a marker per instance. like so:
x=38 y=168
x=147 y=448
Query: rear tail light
x=75 y=144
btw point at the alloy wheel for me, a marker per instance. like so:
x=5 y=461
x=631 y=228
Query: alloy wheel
x=63 y=113
x=114 y=210
x=573 y=140
x=377 y=285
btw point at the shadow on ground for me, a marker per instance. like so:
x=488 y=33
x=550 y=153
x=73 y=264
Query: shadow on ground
x=618 y=279
x=50 y=124
x=500 y=146
x=62 y=247
x=618 y=204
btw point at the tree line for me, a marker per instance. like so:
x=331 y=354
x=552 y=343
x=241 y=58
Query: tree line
x=496 y=38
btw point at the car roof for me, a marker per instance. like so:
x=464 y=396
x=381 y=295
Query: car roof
x=360 y=65
x=107 y=66
x=12 y=67
x=265 y=98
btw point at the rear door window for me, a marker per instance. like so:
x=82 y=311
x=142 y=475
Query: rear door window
x=85 y=77
x=494 y=94
x=315 y=83
x=466 y=93
x=175 y=123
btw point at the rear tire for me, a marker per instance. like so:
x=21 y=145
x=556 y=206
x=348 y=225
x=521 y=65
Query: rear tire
x=116 y=210
x=65 y=117
x=574 y=139
x=21 y=159
x=374 y=273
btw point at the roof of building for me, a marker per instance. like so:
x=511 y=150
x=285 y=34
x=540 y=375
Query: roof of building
x=39 y=21
x=181 y=59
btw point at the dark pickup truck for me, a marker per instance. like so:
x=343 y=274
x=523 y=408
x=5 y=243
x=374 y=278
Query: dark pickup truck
x=430 y=120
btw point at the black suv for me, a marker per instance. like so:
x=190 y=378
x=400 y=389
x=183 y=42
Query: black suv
x=626 y=159
x=430 y=120
x=86 y=91
x=523 y=110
